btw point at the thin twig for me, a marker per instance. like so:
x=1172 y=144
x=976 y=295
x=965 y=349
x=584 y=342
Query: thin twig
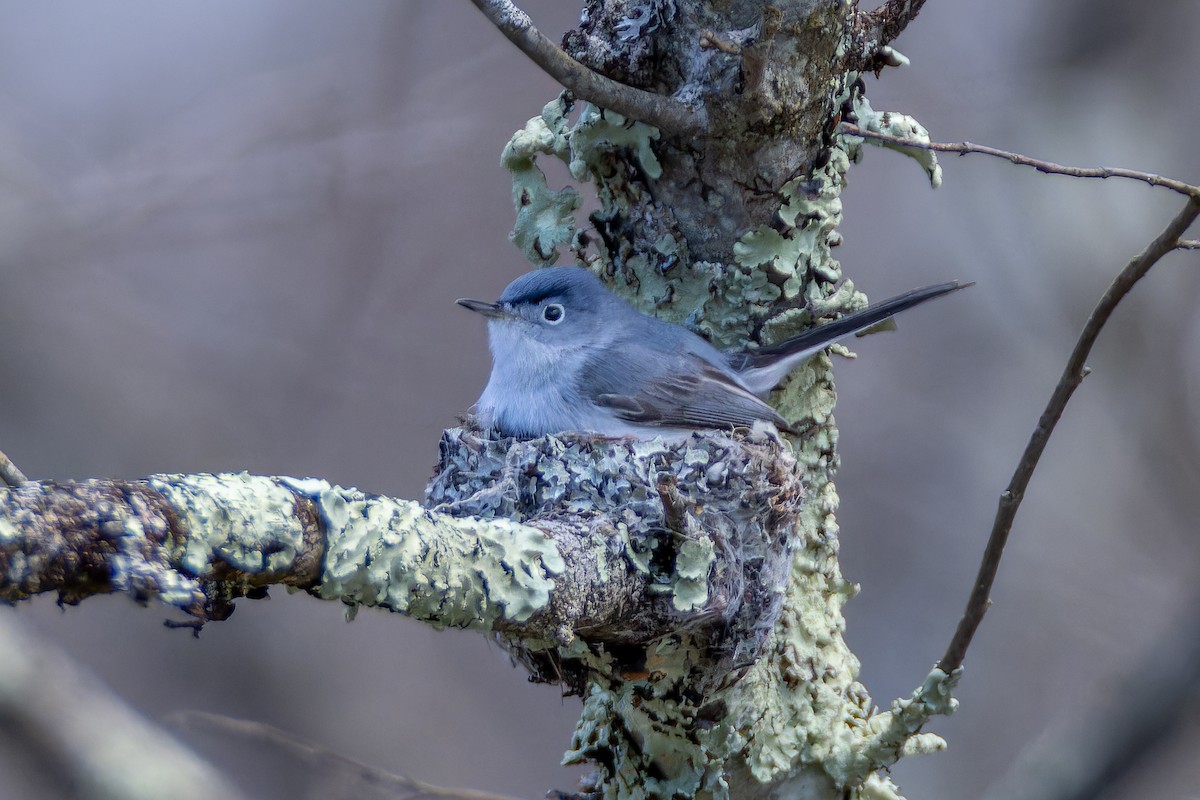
x=1188 y=244
x=1072 y=375
x=666 y=113
x=963 y=148
x=9 y=472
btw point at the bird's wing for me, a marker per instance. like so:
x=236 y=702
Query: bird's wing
x=683 y=390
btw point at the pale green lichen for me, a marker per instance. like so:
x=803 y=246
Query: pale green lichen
x=598 y=132
x=131 y=572
x=243 y=520
x=693 y=562
x=450 y=572
x=877 y=787
x=9 y=532
x=904 y=127
x=545 y=217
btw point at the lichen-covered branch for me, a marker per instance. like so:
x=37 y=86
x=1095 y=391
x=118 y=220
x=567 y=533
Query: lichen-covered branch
x=891 y=18
x=197 y=542
x=191 y=541
x=706 y=605
x=733 y=236
x=868 y=47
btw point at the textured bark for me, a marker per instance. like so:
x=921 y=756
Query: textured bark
x=767 y=75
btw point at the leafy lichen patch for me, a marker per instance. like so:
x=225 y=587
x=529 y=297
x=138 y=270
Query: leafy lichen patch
x=451 y=572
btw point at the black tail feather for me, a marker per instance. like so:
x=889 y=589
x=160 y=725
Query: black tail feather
x=850 y=324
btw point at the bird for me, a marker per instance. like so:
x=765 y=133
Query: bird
x=569 y=355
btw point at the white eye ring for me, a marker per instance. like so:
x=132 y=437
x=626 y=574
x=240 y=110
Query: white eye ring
x=554 y=313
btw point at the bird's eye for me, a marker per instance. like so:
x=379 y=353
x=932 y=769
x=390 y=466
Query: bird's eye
x=553 y=313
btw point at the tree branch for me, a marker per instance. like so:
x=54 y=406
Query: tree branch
x=198 y=542
x=964 y=148
x=665 y=113
x=1072 y=375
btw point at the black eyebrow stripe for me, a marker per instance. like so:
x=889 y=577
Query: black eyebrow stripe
x=540 y=296
x=545 y=294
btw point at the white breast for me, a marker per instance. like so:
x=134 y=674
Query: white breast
x=527 y=393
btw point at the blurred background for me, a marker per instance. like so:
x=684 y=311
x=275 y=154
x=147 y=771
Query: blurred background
x=231 y=234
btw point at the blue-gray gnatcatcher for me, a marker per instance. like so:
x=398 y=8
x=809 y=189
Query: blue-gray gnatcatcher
x=569 y=355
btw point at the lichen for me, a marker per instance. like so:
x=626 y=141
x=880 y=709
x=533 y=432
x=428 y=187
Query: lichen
x=899 y=125
x=462 y=573
x=545 y=217
x=575 y=477
x=239 y=519
x=598 y=132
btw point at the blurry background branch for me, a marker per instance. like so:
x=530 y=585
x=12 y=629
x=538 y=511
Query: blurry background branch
x=332 y=774
x=87 y=741
x=1098 y=754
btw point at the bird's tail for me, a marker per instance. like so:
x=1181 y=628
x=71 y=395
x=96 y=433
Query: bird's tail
x=763 y=369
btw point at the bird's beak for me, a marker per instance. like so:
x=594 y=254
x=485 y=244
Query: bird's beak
x=490 y=310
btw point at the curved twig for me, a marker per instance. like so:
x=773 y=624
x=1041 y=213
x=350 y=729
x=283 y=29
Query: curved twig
x=1072 y=375
x=964 y=148
x=665 y=113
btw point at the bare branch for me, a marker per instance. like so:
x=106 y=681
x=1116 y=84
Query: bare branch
x=1188 y=244
x=9 y=472
x=665 y=113
x=1072 y=375
x=964 y=148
